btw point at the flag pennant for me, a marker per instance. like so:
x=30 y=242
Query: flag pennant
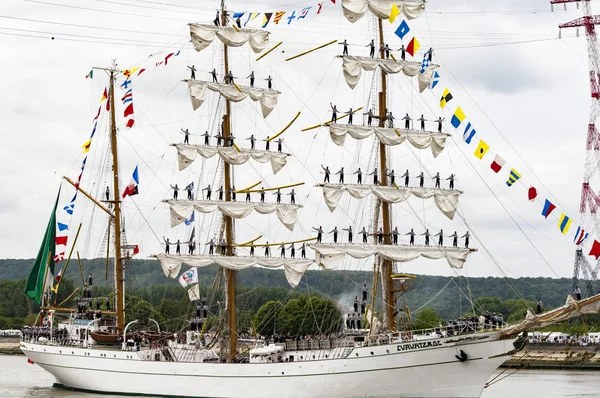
x=266 y=19
x=481 y=150
x=532 y=193
x=548 y=207
x=167 y=58
x=58 y=258
x=424 y=64
x=497 y=164
x=61 y=240
x=125 y=84
x=86 y=146
x=402 y=30
x=128 y=111
x=434 y=80
x=457 y=118
x=320 y=5
x=304 y=12
x=469 y=133
x=141 y=71
x=190 y=220
x=132 y=188
x=189 y=277
x=580 y=236
x=595 y=251
x=69 y=208
x=58 y=276
x=104 y=95
x=564 y=223
x=413 y=46
x=136 y=249
x=277 y=17
x=512 y=177
x=394 y=13
x=291 y=17
x=446 y=97
x=128 y=97
x=98 y=114
x=62 y=227
x=251 y=17
x=237 y=15
x=90 y=75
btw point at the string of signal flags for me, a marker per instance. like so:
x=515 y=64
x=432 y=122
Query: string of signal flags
x=470 y=136
x=251 y=18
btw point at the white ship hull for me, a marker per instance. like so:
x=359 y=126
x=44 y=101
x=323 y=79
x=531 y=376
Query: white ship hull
x=417 y=369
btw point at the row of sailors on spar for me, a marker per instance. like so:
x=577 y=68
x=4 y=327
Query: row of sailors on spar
x=392 y=176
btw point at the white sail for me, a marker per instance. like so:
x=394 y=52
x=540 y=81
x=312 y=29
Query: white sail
x=235 y=93
x=294 y=268
x=203 y=35
x=354 y=65
x=445 y=199
x=186 y=154
x=389 y=136
x=571 y=309
x=331 y=255
x=181 y=210
x=356 y=9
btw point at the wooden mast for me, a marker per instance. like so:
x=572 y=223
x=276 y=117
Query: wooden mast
x=119 y=288
x=386 y=268
x=229 y=274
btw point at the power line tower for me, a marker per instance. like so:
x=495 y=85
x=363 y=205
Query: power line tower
x=589 y=200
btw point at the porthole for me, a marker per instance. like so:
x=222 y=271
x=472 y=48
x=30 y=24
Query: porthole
x=388 y=351
x=372 y=353
x=357 y=354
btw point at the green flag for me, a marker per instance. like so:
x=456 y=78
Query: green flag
x=44 y=260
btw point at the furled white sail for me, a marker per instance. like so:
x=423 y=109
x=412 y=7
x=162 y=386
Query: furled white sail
x=572 y=308
x=330 y=255
x=356 y=9
x=203 y=35
x=235 y=93
x=186 y=154
x=445 y=199
x=294 y=269
x=354 y=65
x=181 y=210
x=391 y=137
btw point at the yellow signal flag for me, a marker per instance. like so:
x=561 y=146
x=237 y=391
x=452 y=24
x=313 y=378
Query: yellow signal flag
x=394 y=13
x=446 y=97
x=86 y=146
x=482 y=149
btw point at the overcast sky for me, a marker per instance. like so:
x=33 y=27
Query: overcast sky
x=525 y=91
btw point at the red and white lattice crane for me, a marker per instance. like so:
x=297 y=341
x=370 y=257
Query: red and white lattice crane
x=590 y=202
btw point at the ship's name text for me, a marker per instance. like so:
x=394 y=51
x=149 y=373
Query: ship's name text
x=418 y=346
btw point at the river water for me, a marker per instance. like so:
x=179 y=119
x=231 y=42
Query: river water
x=19 y=379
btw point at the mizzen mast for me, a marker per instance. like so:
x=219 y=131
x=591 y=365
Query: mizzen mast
x=229 y=274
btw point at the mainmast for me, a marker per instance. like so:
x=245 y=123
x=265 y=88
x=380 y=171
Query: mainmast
x=229 y=274
x=119 y=288
x=386 y=266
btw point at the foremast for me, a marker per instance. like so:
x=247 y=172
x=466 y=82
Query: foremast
x=386 y=265
x=230 y=275
x=119 y=280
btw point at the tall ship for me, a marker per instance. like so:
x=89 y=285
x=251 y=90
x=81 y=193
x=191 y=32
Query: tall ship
x=377 y=353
